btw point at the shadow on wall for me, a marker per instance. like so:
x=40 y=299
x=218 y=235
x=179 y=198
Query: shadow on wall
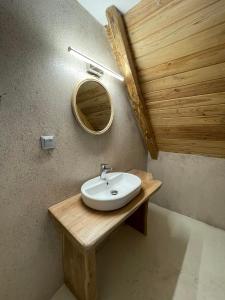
x=133 y=267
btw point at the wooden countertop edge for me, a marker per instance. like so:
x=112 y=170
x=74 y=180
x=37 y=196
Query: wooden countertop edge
x=154 y=187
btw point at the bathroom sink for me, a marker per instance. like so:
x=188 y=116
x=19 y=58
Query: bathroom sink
x=116 y=191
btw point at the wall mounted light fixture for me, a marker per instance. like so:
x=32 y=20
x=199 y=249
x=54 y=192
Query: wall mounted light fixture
x=88 y=60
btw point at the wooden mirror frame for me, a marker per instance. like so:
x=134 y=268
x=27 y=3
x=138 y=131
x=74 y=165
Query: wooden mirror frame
x=76 y=113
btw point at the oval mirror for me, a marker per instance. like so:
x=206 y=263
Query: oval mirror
x=92 y=107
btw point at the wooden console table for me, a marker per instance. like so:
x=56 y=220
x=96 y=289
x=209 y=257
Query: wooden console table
x=83 y=229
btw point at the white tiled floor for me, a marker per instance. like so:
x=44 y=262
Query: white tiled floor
x=180 y=259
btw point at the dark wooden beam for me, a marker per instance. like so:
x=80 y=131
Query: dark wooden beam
x=117 y=35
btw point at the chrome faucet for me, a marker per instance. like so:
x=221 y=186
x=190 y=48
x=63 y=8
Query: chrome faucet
x=104 y=169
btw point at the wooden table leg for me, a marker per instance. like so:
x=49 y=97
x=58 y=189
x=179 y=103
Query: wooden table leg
x=138 y=220
x=79 y=270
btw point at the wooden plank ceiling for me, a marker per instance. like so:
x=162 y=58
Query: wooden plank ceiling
x=179 y=53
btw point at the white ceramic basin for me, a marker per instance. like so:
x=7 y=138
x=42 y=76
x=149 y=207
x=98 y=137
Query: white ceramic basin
x=121 y=189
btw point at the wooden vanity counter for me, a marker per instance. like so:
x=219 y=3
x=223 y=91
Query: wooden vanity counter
x=84 y=229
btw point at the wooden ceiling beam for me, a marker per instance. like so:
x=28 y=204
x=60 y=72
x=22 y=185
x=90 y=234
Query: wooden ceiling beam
x=117 y=35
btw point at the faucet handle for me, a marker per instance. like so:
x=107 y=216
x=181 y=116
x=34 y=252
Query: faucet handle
x=105 y=167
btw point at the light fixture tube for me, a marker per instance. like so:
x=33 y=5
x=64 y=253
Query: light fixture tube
x=88 y=60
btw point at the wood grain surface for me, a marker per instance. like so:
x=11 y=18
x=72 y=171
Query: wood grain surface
x=179 y=53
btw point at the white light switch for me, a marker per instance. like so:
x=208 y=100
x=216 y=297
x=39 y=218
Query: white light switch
x=47 y=142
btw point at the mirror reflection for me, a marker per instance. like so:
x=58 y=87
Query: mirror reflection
x=92 y=107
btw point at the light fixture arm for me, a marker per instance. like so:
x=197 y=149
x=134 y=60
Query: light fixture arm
x=89 y=60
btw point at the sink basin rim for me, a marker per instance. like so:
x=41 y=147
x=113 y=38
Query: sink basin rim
x=98 y=202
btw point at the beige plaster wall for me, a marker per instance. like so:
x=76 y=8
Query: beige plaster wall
x=192 y=185
x=37 y=79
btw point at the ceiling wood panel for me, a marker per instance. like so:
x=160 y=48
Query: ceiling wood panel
x=205 y=87
x=206 y=99
x=205 y=58
x=201 y=41
x=191 y=121
x=197 y=132
x=199 y=111
x=190 y=77
x=140 y=12
x=169 y=22
x=179 y=51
